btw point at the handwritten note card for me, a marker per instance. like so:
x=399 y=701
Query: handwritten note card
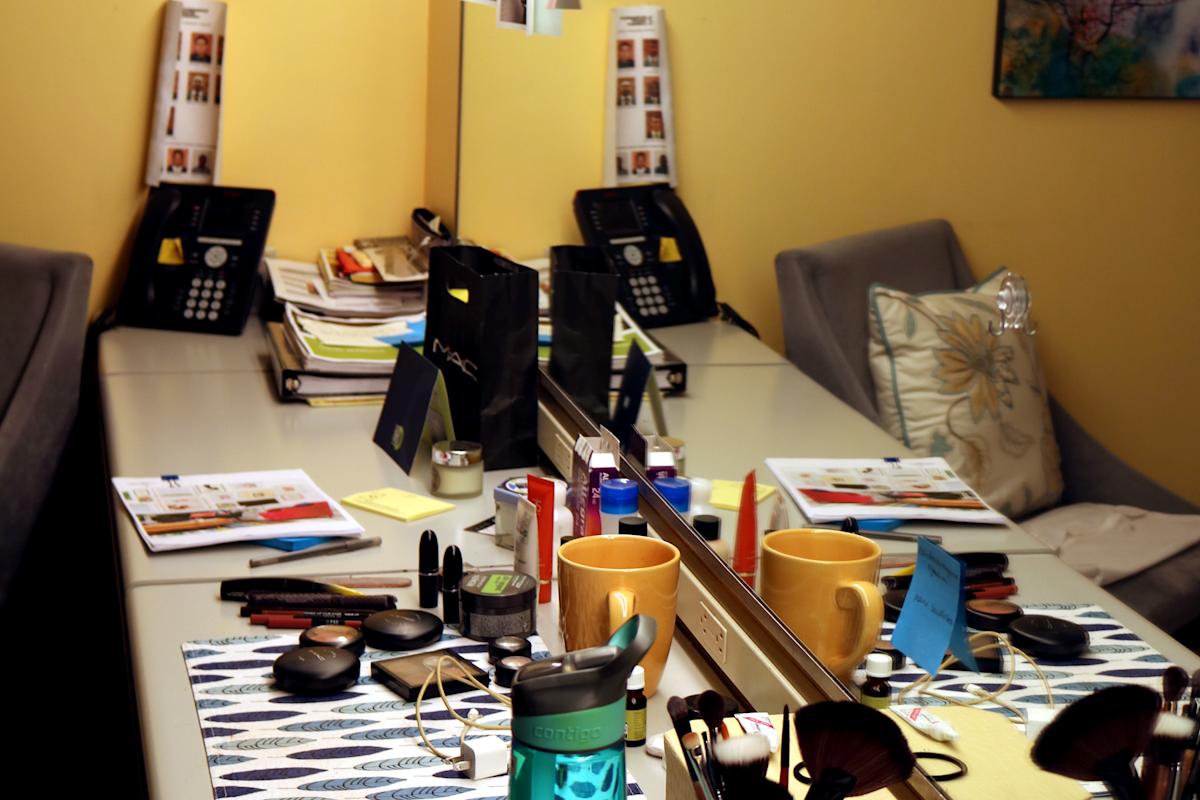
x=933 y=618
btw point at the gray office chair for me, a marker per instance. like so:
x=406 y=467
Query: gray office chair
x=43 y=319
x=823 y=294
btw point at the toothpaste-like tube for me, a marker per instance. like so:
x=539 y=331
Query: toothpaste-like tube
x=935 y=728
x=753 y=722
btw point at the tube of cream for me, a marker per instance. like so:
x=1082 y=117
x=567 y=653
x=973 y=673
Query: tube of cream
x=935 y=728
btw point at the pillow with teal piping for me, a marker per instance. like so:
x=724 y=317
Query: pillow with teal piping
x=945 y=386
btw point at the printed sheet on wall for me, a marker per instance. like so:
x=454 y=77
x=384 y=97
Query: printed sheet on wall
x=639 y=131
x=186 y=133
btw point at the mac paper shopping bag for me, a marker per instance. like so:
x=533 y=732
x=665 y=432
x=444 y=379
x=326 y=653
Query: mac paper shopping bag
x=583 y=294
x=481 y=332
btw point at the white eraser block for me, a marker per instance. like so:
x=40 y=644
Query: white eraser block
x=654 y=746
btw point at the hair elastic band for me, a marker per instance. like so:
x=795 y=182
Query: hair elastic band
x=798 y=770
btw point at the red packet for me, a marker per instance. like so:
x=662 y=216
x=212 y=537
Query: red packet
x=541 y=494
x=745 y=549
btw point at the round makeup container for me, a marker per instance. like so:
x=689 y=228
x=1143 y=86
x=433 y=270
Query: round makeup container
x=500 y=603
x=507 y=668
x=503 y=646
x=341 y=636
x=1048 y=637
x=316 y=670
x=893 y=601
x=457 y=469
x=401 y=629
x=992 y=615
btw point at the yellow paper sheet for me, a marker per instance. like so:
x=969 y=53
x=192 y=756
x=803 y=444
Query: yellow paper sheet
x=728 y=494
x=397 y=504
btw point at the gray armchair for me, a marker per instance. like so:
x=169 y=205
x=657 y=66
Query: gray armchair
x=823 y=293
x=43 y=317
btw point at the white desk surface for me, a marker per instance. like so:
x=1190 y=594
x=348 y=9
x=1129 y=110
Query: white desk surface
x=142 y=350
x=745 y=414
x=715 y=343
x=161 y=618
x=194 y=423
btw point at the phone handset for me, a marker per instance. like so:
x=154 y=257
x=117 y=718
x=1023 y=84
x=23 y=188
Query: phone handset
x=138 y=299
x=702 y=293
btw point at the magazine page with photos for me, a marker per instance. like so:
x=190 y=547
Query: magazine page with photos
x=639 y=131
x=831 y=489
x=186 y=123
x=175 y=512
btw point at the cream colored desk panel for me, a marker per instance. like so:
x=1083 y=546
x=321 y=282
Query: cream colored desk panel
x=143 y=350
x=161 y=618
x=191 y=422
x=735 y=417
x=714 y=343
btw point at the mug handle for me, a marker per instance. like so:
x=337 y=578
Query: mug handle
x=622 y=604
x=864 y=596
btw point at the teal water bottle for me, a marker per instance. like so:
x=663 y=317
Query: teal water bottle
x=568 y=721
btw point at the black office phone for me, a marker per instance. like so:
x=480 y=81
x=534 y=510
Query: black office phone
x=649 y=238
x=195 y=258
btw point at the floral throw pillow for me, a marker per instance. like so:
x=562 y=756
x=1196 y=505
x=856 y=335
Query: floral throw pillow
x=945 y=386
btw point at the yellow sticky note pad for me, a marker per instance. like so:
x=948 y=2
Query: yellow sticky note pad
x=728 y=494
x=170 y=251
x=668 y=250
x=397 y=504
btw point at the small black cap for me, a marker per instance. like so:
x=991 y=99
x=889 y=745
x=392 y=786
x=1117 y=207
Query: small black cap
x=708 y=526
x=503 y=646
x=632 y=526
x=507 y=668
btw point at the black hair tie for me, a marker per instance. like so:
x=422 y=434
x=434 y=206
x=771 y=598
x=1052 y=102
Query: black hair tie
x=799 y=774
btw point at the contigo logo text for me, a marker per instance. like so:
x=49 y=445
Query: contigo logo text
x=567 y=734
x=465 y=364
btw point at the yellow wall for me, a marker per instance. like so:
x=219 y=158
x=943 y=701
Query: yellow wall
x=803 y=121
x=323 y=102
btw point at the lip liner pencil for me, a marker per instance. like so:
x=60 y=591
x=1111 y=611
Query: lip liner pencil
x=319 y=550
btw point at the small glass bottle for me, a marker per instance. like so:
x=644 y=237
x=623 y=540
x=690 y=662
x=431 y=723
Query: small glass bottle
x=457 y=469
x=635 y=708
x=876 y=691
x=618 y=498
x=709 y=528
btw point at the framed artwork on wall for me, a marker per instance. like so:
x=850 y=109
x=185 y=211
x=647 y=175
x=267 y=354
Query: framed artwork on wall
x=1098 y=49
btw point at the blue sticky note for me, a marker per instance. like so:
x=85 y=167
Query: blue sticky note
x=294 y=542
x=934 y=616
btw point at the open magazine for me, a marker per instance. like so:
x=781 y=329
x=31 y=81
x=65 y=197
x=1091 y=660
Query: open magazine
x=831 y=489
x=175 y=512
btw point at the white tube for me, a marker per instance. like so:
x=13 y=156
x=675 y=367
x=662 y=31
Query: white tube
x=935 y=728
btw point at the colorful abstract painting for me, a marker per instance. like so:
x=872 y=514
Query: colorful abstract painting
x=1098 y=48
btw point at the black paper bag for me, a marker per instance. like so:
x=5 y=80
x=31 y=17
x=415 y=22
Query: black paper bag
x=481 y=332
x=582 y=298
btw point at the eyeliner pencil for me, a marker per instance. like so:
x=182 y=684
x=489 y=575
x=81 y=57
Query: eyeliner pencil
x=319 y=550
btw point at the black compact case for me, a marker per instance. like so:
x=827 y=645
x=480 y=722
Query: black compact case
x=316 y=670
x=404 y=675
x=1048 y=637
x=401 y=629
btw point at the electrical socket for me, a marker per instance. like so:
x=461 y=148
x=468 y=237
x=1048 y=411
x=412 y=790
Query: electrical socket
x=712 y=634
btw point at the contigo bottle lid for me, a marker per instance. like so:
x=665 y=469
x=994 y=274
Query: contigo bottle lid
x=583 y=679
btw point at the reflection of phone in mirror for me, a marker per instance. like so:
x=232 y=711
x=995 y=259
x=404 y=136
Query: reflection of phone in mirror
x=648 y=236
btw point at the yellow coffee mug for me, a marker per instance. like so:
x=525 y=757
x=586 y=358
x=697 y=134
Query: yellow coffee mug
x=605 y=580
x=822 y=584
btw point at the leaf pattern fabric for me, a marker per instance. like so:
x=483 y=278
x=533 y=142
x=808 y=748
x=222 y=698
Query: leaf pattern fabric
x=945 y=386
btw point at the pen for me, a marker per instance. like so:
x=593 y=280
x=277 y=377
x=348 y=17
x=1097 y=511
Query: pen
x=319 y=550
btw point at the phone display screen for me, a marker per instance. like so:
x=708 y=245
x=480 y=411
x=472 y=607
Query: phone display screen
x=618 y=218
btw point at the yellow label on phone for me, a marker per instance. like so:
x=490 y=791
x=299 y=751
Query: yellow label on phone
x=170 y=251
x=668 y=250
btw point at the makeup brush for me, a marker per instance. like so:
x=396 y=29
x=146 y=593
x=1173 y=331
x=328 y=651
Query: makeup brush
x=1160 y=764
x=742 y=762
x=677 y=708
x=693 y=754
x=785 y=747
x=849 y=748
x=711 y=706
x=1098 y=737
x=1191 y=786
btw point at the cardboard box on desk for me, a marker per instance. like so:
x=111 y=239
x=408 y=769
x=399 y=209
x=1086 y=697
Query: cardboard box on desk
x=995 y=752
x=596 y=460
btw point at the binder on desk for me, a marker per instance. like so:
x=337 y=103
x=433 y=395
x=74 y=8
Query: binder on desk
x=292 y=382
